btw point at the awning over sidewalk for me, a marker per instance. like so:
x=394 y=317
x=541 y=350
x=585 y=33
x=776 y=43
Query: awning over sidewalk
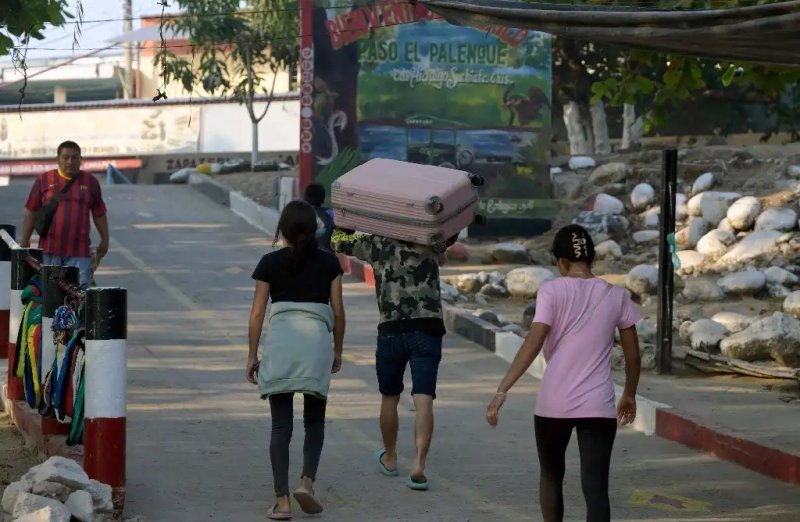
x=767 y=34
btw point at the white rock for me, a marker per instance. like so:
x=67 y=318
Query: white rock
x=776 y=337
x=743 y=212
x=608 y=249
x=690 y=259
x=698 y=227
x=494 y=290
x=646 y=236
x=181 y=176
x=555 y=171
x=734 y=322
x=780 y=276
x=49 y=489
x=642 y=280
x=715 y=243
x=791 y=305
x=793 y=171
x=780 y=218
x=646 y=331
x=748 y=282
x=705 y=335
x=642 y=196
x=28 y=503
x=10 y=495
x=510 y=253
x=726 y=226
x=651 y=217
x=448 y=292
x=702 y=290
x=703 y=183
x=469 y=283
x=609 y=173
x=608 y=204
x=47 y=514
x=581 y=162
x=58 y=469
x=681 y=212
x=778 y=291
x=763 y=243
x=525 y=281
x=81 y=506
x=713 y=206
x=101 y=496
x=602 y=226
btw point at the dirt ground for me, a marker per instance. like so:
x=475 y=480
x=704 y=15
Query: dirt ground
x=15 y=457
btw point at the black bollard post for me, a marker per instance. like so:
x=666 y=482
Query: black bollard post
x=666 y=270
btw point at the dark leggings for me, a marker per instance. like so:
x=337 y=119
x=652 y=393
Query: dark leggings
x=595 y=442
x=282 y=423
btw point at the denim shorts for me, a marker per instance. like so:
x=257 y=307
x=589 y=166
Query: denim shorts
x=423 y=351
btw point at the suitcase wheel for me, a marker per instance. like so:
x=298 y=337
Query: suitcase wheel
x=476 y=180
x=435 y=205
x=479 y=219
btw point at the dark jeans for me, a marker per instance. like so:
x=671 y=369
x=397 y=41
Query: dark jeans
x=421 y=350
x=595 y=442
x=281 y=406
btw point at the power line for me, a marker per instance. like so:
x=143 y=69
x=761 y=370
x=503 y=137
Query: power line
x=221 y=14
x=188 y=46
x=638 y=6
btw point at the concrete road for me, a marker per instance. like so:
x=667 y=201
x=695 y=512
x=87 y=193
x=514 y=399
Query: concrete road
x=198 y=433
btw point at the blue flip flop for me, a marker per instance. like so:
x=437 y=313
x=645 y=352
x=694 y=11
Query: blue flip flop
x=416 y=486
x=386 y=471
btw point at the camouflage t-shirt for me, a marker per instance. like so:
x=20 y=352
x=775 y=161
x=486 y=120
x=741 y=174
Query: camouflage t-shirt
x=406 y=281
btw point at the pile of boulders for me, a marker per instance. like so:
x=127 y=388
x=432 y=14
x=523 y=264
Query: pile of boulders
x=57 y=490
x=772 y=338
x=735 y=239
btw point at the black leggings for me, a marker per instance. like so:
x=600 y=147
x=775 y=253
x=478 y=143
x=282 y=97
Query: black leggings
x=595 y=442
x=282 y=423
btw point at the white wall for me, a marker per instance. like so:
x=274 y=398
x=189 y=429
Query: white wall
x=227 y=127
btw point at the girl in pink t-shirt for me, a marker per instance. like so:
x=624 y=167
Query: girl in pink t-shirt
x=574 y=324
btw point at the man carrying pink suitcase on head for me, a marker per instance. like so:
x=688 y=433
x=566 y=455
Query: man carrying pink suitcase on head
x=410 y=332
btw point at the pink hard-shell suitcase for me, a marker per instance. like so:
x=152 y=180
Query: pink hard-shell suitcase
x=406 y=201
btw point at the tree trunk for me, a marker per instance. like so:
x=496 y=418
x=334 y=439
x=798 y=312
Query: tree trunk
x=631 y=128
x=576 y=130
x=602 y=145
x=254 y=150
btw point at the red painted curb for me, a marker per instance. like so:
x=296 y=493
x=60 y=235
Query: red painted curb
x=358 y=269
x=748 y=454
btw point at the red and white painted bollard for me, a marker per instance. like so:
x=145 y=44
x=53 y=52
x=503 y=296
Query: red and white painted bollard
x=5 y=288
x=52 y=298
x=106 y=390
x=21 y=274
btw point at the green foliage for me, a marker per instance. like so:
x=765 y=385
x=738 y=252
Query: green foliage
x=344 y=162
x=232 y=47
x=658 y=83
x=25 y=19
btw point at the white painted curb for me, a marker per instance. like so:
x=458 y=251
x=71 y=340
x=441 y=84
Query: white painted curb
x=507 y=345
x=263 y=218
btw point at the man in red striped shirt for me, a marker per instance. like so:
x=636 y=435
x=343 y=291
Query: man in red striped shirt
x=68 y=240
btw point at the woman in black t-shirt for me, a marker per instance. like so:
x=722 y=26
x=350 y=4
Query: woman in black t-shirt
x=303 y=346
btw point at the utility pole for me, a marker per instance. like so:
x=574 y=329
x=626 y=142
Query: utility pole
x=127 y=26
